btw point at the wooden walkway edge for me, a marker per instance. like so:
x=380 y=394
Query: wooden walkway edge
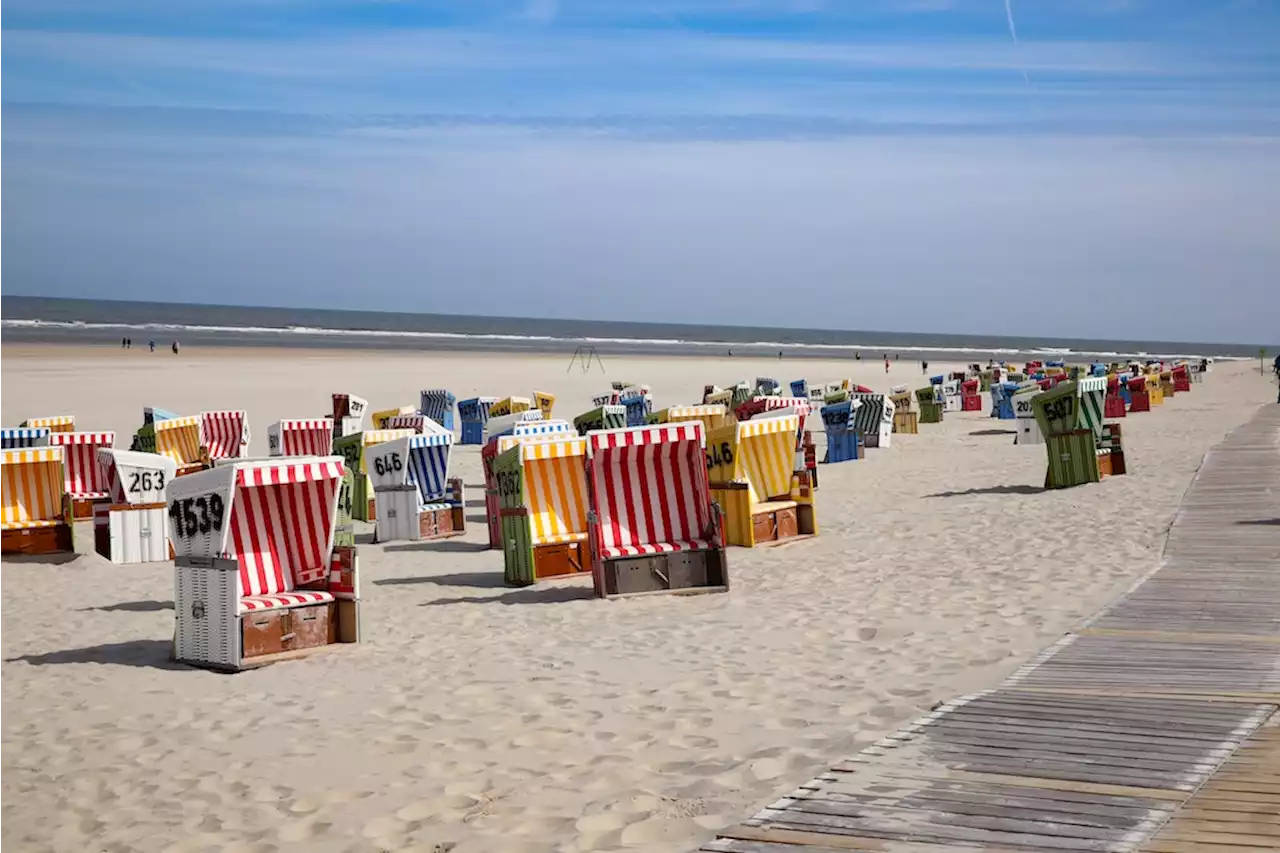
x=1152 y=728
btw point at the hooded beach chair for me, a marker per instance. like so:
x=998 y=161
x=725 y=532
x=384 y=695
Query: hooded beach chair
x=524 y=430
x=300 y=437
x=348 y=414
x=85 y=484
x=1028 y=431
x=257 y=576
x=131 y=526
x=610 y=416
x=652 y=524
x=416 y=498
x=544 y=402
x=1070 y=417
x=510 y=406
x=906 y=419
x=224 y=434
x=14 y=438
x=53 y=423
x=381 y=419
x=499 y=425
x=844 y=442
x=1139 y=399
x=474 y=414
x=874 y=419
x=1113 y=404
x=806 y=458
x=1155 y=393
x=352 y=449
x=542 y=508
x=35 y=517
x=970 y=396
x=638 y=403
x=751 y=469
x=712 y=415
x=931 y=408
x=417 y=422
x=438 y=404
x=179 y=439
x=1181 y=378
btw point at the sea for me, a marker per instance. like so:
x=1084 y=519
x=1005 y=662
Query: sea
x=95 y=321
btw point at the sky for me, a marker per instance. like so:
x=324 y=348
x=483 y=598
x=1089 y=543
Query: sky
x=1083 y=168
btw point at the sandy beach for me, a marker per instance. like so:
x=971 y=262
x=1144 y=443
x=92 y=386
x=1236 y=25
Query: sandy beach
x=474 y=717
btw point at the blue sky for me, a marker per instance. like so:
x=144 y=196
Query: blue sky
x=1111 y=171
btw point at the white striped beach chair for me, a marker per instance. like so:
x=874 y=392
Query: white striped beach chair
x=652 y=524
x=258 y=578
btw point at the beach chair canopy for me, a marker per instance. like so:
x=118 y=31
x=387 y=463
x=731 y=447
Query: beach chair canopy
x=509 y=405
x=352 y=448
x=554 y=487
x=131 y=477
x=838 y=417
x=768 y=405
x=33 y=487
x=475 y=409
x=436 y=403
x=414 y=460
x=649 y=490
x=534 y=429
x=179 y=439
x=300 y=437
x=760 y=453
x=275 y=517
x=16 y=437
x=83 y=478
x=53 y=423
x=224 y=434
x=151 y=414
x=505 y=424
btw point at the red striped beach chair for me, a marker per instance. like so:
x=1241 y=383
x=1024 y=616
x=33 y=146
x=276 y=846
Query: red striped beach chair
x=258 y=578
x=652 y=525
x=84 y=479
x=130 y=526
x=35 y=515
x=300 y=437
x=224 y=435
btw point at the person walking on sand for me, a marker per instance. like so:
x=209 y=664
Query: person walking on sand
x=175 y=347
x=924 y=367
x=886 y=364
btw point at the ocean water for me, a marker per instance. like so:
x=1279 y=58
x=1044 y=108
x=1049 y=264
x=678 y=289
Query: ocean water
x=89 y=321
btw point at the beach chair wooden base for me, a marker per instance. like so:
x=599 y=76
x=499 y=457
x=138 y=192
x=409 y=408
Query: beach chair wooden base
x=930 y=413
x=562 y=560
x=907 y=423
x=1140 y=401
x=82 y=509
x=971 y=403
x=748 y=525
x=1111 y=464
x=679 y=572
x=132 y=533
x=404 y=520
x=211 y=633
x=49 y=539
x=195 y=467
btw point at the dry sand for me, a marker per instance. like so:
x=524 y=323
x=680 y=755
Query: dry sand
x=477 y=718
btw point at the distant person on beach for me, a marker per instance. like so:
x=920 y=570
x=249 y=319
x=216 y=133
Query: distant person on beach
x=779 y=355
x=857 y=356
x=924 y=367
x=886 y=364
x=153 y=346
x=175 y=347
x=124 y=342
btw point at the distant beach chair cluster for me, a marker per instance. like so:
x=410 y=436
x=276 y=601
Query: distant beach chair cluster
x=644 y=500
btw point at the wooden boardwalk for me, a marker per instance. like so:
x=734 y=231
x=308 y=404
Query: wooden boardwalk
x=1153 y=728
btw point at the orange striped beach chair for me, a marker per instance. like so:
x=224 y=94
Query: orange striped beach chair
x=35 y=513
